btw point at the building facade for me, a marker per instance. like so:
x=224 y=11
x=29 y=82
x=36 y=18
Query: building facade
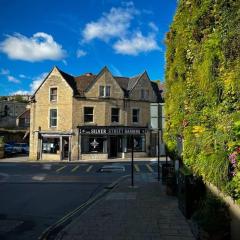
x=9 y=111
x=90 y=116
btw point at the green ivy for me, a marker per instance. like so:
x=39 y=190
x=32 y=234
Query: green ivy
x=203 y=90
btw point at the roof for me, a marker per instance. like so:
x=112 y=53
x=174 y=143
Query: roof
x=81 y=84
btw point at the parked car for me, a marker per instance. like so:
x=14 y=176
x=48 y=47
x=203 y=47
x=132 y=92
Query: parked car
x=9 y=149
x=21 y=147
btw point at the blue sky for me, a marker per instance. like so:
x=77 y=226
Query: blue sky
x=80 y=36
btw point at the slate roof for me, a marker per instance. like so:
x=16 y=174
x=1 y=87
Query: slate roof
x=80 y=84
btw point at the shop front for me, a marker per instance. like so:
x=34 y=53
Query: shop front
x=54 y=146
x=111 y=142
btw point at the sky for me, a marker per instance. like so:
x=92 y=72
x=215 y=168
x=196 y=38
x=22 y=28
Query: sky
x=80 y=36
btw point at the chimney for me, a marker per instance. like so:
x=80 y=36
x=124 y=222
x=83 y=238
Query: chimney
x=88 y=74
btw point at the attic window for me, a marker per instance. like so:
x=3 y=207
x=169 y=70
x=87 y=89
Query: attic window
x=53 y=94
x=144 y=94
x=104 y=91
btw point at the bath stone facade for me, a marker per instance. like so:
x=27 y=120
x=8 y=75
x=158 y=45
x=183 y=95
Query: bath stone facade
x=90 y=116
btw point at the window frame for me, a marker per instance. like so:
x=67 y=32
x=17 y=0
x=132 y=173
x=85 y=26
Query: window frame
x=114 y=108
x=50 y=118
x=50 y=94
x=104 y=91
x=134 y=122
x=85 y=107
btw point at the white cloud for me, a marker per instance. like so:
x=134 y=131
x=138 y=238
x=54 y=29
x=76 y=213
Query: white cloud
x=33 y=86
x=137 y=44
x=4 y=71
x=20 y=92
x=22 y=76
x=37 y=82
x=153 y=26
x=40 y=46
x=13 y=79
x=112 y=24
x=81 y=53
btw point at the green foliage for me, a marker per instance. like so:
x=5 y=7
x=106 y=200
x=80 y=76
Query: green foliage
x=203 y=90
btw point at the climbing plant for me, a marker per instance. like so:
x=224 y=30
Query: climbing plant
x=203 y=89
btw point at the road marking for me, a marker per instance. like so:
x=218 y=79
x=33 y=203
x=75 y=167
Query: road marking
x=75 y=169
x=89 y=168
x=136 y=168
x=60 y=169
x=149 y=168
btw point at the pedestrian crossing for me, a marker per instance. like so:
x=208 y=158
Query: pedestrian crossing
x=89 y=168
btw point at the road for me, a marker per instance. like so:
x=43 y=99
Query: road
x=34 y=196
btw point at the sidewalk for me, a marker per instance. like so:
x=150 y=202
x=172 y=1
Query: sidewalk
x=19 y=159
x=141 y=213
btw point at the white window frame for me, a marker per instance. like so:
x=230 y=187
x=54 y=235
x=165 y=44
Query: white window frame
x=104 y=91
x=52 y=87
x=49 y=117
x=119 y=115
x=84 y=114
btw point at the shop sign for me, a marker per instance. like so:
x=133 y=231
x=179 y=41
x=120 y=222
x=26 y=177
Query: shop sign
x=111 y=130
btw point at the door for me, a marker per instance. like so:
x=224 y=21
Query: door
x=113 y=147
x=65 y=148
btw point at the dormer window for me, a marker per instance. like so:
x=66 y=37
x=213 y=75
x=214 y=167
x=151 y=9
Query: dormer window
x=53 y=94
x=104 y=91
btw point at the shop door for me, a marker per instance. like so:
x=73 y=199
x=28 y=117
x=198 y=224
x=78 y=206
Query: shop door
x=65 y=148
x=113 y=147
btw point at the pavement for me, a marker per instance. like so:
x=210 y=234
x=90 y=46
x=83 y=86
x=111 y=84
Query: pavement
x=143 y=212
x=25 y=159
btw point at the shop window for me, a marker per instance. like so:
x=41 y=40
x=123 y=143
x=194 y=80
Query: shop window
x=94 y=144
x=50 y=145
x=139 y=143
x=53 y=117
x=104 y=91
x=88 y=114
x=115 y=115
x=53 y=94
x=135 y=115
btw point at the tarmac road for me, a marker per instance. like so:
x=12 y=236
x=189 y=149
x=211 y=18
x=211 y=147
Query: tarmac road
x=34 y=196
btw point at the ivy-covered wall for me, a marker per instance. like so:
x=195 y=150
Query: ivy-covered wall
x=203 y=89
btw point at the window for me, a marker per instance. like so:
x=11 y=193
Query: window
x=94 y=144
x=50 y=145
x=138 y=141
x=115 y=115
x=135 y=115
x=107 y=92
x=88 y=114
x=144 y=94
x=53 y=94
x=101 y=91
x=104 y=91
x=53 y=117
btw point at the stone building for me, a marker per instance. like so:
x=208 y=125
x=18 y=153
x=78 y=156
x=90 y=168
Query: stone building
x=91 y=116
x=9 y=111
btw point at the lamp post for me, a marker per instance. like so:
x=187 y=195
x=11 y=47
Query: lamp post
x=158 y=153
x=132 y=140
